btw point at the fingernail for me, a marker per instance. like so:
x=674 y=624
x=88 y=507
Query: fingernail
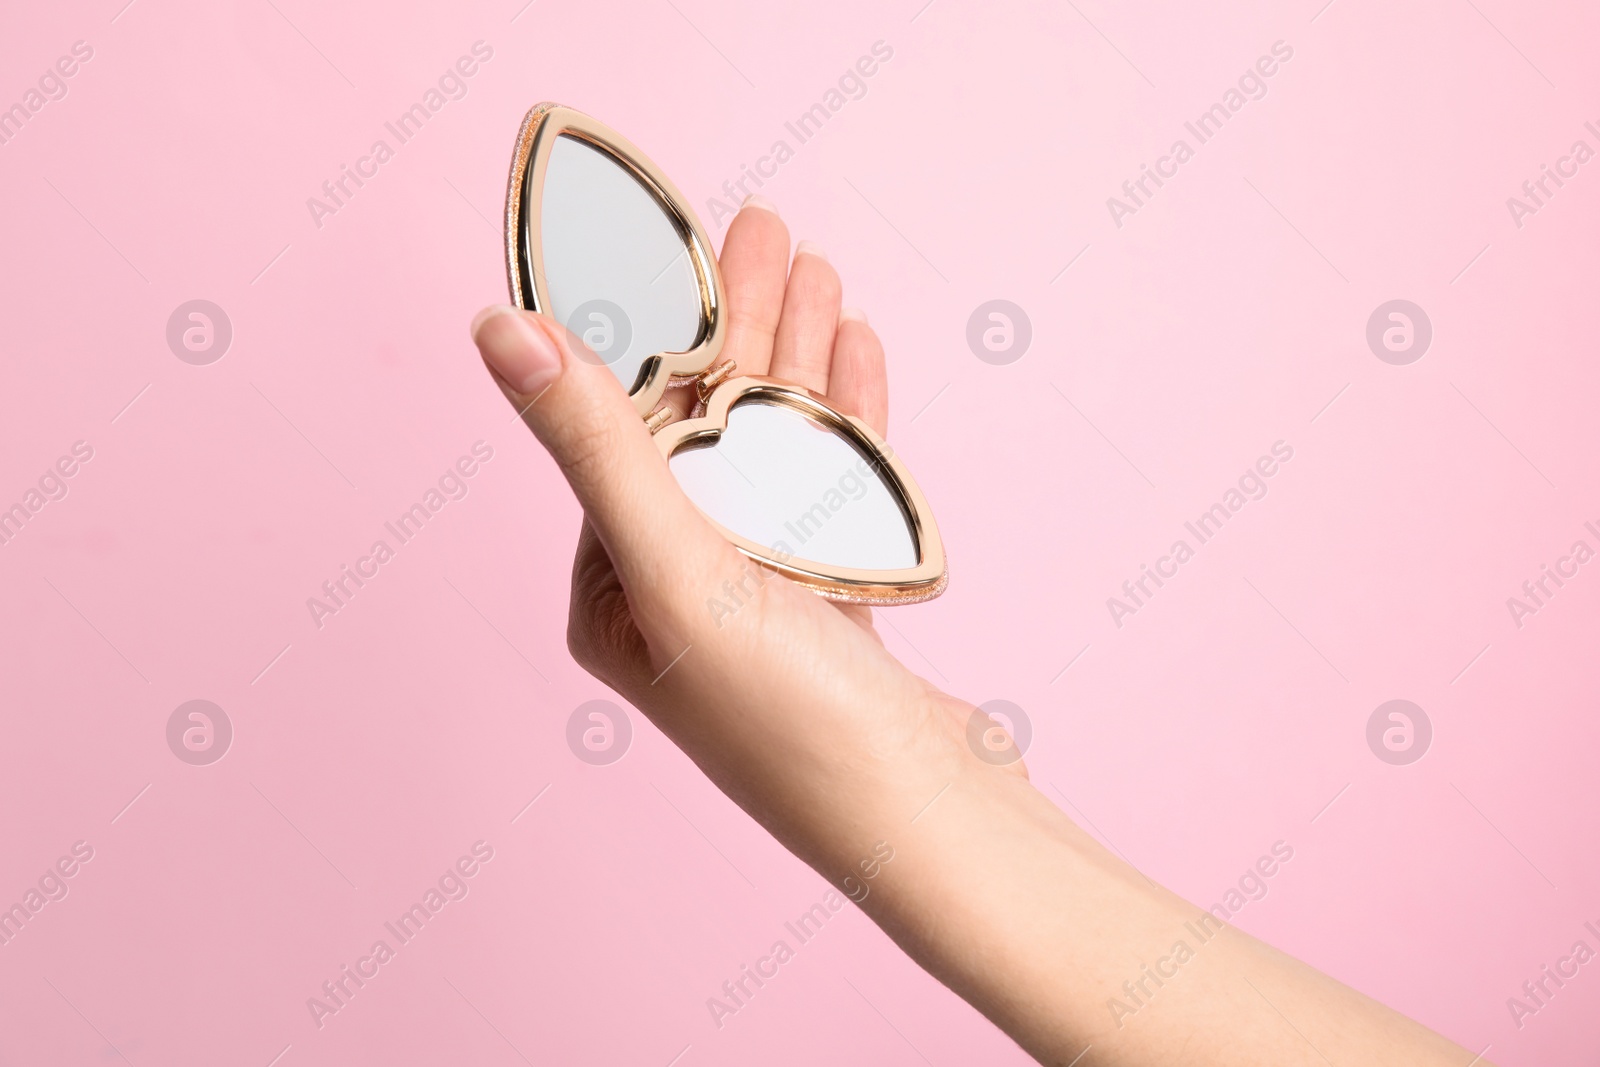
x=853 y=315
x=518 y=350
x=486 y=314
x=756 y=200
x=810 y=248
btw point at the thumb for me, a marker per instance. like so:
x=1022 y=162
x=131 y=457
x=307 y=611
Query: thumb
x=656 y=538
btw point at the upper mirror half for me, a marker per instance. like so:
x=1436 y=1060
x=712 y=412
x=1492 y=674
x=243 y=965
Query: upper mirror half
x=617 y=268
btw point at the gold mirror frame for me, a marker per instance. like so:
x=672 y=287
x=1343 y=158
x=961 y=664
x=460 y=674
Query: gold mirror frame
x=526 y=275
x=908 y=585
x=525 y=238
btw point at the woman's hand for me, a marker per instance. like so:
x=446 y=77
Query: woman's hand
x=790 y=703
x=794 y=708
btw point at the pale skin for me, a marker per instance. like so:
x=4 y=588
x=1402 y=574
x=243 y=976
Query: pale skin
x=794 y=708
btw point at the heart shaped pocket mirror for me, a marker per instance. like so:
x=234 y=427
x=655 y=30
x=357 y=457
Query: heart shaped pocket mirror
x=599 y=239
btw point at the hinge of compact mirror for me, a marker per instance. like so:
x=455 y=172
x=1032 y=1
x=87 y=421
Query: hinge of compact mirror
x=704 y=384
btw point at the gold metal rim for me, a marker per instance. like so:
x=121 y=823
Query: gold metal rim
x=525 y=249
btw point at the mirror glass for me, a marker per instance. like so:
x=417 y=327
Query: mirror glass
x=793 y=485
x=617 y=269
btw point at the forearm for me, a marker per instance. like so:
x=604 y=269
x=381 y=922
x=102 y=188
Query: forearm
x=992 y=888
x=1064 y=946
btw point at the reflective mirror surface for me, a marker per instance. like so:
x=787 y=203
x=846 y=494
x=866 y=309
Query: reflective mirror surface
x=793 y=485
x=616 y=267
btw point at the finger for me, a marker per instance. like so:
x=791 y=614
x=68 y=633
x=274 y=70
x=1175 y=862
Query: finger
x=858 y=381
x=803 y=347
x=656 y=538
x=600 y=632
x=754 y=262
x=861 y=615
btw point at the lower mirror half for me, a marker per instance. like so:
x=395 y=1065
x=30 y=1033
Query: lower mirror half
x=799 y=488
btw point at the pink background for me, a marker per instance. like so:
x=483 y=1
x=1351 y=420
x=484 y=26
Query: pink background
x=1222 y=317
